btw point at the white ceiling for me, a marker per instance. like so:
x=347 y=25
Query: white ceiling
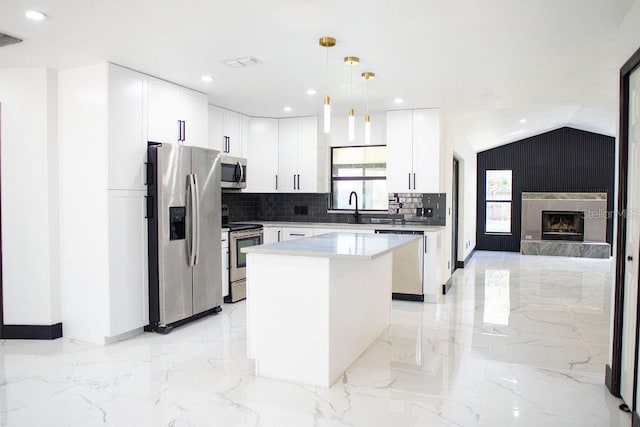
x=488 y=63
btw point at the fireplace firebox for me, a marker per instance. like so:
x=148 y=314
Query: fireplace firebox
x=563 y=225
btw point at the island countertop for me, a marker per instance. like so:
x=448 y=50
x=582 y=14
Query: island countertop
x=336 y=245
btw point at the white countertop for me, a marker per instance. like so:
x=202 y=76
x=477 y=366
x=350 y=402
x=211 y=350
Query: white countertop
x=339 y=225
x=337 y=245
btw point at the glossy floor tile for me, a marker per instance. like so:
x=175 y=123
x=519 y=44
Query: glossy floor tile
x=519 y=340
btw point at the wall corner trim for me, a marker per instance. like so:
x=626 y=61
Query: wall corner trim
x=32 y=332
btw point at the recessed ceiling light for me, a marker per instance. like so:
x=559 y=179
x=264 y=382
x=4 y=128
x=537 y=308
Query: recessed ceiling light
x=398 y=100
x=34 y=15
x=287 y=109
x=311 y=92
x=523 y=120
x=207 y=78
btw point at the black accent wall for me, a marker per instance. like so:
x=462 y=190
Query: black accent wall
x=561 y=160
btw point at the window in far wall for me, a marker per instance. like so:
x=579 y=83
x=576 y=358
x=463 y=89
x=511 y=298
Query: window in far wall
x=498 y=196
x=359 y=169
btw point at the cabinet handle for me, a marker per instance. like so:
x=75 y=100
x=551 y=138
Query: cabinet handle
x=297 y=234
x=278 y=235
x=409 y=174
x=414 y=180
x=184 y=131
x=425 y=244
x=277 y=185
x=298 y=181
x=179 y=130
x=227 y=144
x=294 y=181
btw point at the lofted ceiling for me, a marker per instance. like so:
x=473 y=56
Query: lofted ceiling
x=503 y=70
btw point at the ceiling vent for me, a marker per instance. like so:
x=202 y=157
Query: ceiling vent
x=6 y=40
x=242 y=62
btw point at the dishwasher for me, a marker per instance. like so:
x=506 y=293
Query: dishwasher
x=408 y=267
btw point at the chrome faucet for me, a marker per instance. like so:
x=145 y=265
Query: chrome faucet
x=356 y=215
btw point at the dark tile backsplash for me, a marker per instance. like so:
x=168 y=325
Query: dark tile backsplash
x=302 y=207
x=290 y=207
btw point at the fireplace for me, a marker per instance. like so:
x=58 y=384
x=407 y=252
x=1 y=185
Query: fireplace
x=563 y=225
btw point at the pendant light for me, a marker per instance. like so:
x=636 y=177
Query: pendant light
x=351 y=61
x=327 y=42
x=367 y=75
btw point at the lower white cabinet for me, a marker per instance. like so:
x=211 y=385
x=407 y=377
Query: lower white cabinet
x=432 y=278
x=296 y=233
x=321 y=231
x=128 y=278
x=224 y=239
x=280 y=234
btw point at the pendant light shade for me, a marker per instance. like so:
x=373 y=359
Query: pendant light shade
x=327 y=42
x=351 y=61
x=327 y=114
x=367 y=75
x=367 y=129
x=352 y=125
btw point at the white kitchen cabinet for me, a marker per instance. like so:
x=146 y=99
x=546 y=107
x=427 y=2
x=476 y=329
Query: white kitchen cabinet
x=320 y=231
x=192 y=110
x=127 y=142
x=216 y=140
x=298 y=154
x=432 y=277
x=271 y=234
x=413 y=151
x=227 y=131
x=224 y=242
x=288 y=154
x=128 y=277
x=280 y=234
x=262 y=161
x=176 y=114
x=291 y=233
x=246 y=136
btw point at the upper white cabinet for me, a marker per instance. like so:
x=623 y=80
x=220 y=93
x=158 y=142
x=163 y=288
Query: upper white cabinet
x=298 y=154
x=413 y=151
x=228 y=132
x=262 y=161
x=127 y=143
x=176 y=114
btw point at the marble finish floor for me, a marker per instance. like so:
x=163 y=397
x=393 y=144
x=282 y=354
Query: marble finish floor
x=519 y=340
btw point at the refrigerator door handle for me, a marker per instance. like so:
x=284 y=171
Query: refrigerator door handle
x=192 y=220
x=197 y=221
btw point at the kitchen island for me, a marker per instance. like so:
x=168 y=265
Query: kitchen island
x=315 y=304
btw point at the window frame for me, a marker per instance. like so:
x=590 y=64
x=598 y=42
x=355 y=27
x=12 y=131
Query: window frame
x=353 y=178
x=487 y=200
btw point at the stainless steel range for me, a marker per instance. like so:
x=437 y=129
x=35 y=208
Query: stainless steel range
x=240 y=236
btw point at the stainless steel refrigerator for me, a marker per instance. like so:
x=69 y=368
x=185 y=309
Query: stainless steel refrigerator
x=184 y=216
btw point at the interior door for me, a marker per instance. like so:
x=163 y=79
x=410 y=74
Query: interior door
x=207 y=274
x=632 y=252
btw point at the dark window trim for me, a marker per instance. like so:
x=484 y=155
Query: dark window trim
x=350 y=178
x=510 y=201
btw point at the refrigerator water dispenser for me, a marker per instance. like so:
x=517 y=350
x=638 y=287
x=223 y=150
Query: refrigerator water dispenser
x=177 y=218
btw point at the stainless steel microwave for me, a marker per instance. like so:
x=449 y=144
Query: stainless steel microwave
x=233 y=172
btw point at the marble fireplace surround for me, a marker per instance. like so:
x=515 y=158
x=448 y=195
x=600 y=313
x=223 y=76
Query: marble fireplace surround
x=595 y=224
